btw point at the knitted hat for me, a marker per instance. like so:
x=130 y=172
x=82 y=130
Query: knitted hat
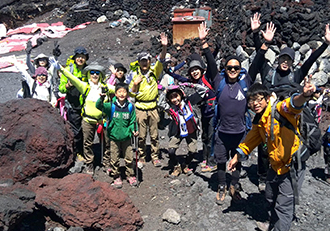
x=233 y=57
x=41 y=71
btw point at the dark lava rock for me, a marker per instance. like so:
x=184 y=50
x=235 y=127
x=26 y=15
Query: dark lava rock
x=34 y=140
x=78 y=200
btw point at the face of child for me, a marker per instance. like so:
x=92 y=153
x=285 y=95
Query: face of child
x=42 y=62
x=195 y=73
x=145 y=64
x=41 y=78
x=233 y=69
x=121 y=95
x=285 y=62
x=120 y=73
x=80 y=59
x=95 y=76
x=258 y=103
x=175 y=98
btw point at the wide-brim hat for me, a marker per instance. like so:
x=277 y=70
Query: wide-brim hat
x=120 y=65
x=195 y=63
x=95 y=66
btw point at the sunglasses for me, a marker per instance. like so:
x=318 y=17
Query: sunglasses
x=95 y=72
x=236 y=68
x=42 y=75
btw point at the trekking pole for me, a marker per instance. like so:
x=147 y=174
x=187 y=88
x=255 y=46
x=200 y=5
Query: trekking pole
x=135 y=149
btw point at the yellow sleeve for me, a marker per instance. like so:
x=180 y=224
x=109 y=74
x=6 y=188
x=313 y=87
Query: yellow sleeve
x=252 y=140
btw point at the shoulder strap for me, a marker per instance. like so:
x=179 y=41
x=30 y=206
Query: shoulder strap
x=204 y=80
x=221 y=87
x=33 y=90
x=113 y=108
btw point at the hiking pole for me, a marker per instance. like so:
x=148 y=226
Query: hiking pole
x=135 y=149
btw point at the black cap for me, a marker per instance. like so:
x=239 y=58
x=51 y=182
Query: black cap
x=120 y=65
x=287 y=51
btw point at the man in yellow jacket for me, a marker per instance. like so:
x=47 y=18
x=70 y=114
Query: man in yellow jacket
x=144 y=89
x=281 y=143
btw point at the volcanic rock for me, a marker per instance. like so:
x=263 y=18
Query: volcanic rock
x=34 y=140
x=78 y=200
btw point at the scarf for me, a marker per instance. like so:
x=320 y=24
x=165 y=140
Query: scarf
x=184 y=114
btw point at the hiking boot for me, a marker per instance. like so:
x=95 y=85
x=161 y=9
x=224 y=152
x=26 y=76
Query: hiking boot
x=262 y=186
x=157 y=163
x=203 y=164
x=132 y=181
x=187 y=171
x=141 y=163
x=263 y=226
x=118 y=183
x=243 y=174
x=177 y=171
x=234 y=193
x=208 y=168
x=327 y=179
x=221 y=194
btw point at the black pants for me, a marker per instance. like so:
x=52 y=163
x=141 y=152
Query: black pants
x=207 y=135
x=263 y=163
x=74 y=117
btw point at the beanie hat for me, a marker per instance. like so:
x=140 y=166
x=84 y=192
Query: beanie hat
x=233 y=57
x=41 y=71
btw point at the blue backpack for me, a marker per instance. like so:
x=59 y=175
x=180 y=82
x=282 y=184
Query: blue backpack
x=113 y=109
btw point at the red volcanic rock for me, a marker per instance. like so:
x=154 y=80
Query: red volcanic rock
x=78 y=200
x=34 y=140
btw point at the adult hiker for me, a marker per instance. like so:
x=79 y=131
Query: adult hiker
x=284 y=178
x=281 y=79
x=144 y=89
x=230 y=87
x=73 y=96
x=91 y=116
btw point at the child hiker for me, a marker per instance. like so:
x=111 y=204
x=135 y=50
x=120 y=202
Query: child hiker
x=122 y=125
x=184 y=125
x=281 y=143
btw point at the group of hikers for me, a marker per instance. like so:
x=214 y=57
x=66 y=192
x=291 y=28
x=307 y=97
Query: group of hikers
x=219 y=103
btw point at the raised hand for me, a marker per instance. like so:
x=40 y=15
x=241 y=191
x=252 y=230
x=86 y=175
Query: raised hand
x=327 y=34
x=309 y=88
x=255 y=22
x=163 y=39
x=54 y=63
x=113 y=69
x=28 y=48
x=203 y=31
x=270 y=31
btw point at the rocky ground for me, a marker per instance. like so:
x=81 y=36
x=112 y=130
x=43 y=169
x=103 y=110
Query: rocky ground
x=192 y=197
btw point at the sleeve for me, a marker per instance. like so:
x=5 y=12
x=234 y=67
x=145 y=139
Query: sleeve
x=111 y=80
x=158 y=68
x=251 y=141
x=179 y=78
x=29 y=64
x=257 y=63
x=257 y=41
x=63 y=82
x=179 y=66
x=212 y=69
x=133 y=124
x=303 y=71
x=80 y=85
x=162 y=103
x=103 y=106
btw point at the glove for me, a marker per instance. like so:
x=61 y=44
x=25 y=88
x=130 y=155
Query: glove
x=28 y=47
x=56 y=51
x=217 y=42
x=54 y=63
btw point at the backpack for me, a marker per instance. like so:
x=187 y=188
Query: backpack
x=284 y=90
x=310 y=133
x=113 y=109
